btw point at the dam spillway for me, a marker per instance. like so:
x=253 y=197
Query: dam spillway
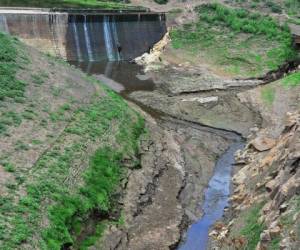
x=85 y=35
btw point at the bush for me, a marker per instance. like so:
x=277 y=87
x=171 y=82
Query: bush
x=161 y=1
x=274 y=7
x=252 y=229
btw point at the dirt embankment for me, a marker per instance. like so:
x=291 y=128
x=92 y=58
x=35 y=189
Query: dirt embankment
x=163 y=197
x=266 y=178
x=66 y=141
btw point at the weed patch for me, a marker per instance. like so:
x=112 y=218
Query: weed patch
x=252 y=228
x=40 y=78
x=68 y=209
x=9 y=167
x=291 y=80
x=10 y=87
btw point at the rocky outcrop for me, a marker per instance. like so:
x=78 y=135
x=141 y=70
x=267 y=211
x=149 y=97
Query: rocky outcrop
x=148 y=60
x=270 y=176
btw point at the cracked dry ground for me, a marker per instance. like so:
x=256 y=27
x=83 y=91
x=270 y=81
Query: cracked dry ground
x=165 y=195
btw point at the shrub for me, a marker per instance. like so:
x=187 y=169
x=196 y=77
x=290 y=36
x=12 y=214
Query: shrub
x=161 y=1
x=252 y=228
x=292 y=80
x=9 y=167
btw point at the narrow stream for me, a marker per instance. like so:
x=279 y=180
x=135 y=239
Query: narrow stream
x=126 y=78
x=216 y=199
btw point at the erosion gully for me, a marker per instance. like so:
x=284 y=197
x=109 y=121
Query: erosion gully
x=125 y=78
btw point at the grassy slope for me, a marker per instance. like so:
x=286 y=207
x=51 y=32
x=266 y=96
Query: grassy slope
x=291 y=8
x=237 y=42
x=288 y=84
x=63 y=150
x=109 y=4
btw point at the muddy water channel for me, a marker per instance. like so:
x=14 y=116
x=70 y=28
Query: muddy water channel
x=208 y=156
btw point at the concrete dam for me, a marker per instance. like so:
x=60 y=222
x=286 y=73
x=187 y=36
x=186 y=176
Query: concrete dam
x=85 y=35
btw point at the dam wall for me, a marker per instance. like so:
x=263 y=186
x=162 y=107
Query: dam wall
x=85 y=35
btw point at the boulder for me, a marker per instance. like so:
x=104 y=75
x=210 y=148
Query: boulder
x=201 y=100
x=271 y=185
x=274 y=232
x=263 y=143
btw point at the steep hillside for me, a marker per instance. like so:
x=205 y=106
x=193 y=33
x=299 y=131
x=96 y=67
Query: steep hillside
x=63 y=140
x=233 y=42
x=265 y=202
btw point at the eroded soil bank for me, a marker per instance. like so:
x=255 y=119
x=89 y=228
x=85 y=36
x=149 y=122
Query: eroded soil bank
x=178 y=156
x=200 y=112
x=194 y=113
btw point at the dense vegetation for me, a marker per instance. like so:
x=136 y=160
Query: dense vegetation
x=243 y=43
x=105 y=4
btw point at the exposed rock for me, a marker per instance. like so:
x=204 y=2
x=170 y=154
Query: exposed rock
x=274 y=232
x=263 y=143
x=274 y=164
x=270 y=186
x=149 y=60
x=201 y=99
x=265 y=236
x=285 y=244
x=239 y=177
x=226 y=113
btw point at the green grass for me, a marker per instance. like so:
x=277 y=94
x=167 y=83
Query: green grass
x=240 y=42
x=10 y=87
x=252 y=228
x=101 y=4
x=90 y=124
x=292 y=7
x=291 y=80
x=39 y=78
x=289 y=7
x=274 y=244
x=9 y=118
x=9 y=167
